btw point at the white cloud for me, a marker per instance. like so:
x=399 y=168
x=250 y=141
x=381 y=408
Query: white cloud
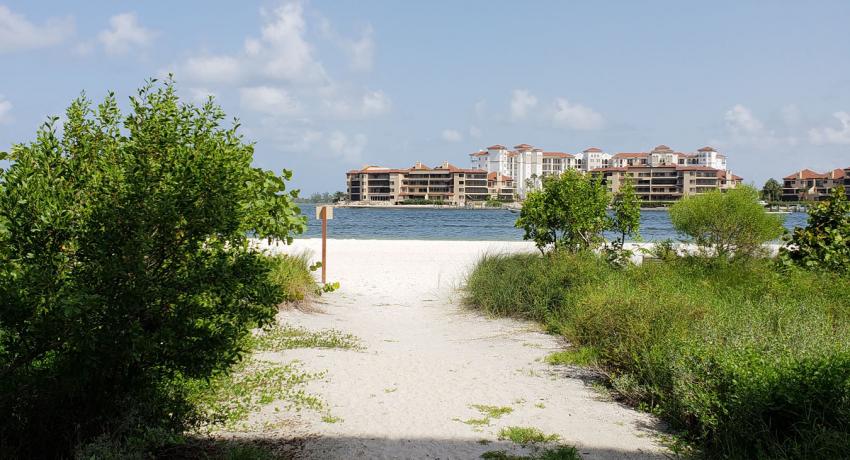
x=268 y=100
x=576 y=116
x=451 y=135
x=124 y=34
x=521 y=102
x=83 y=49
x=741 y=121
x=474 y=131
x=200 y=95
x=830 y=135
x=17 y=33
x=213 y=69
x=281 y=53
x=360 y=51
x=747 y=129
x=284 y=49
x=376 y=103
x=5 y=110
x=347 y=148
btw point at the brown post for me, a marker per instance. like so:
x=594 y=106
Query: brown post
x=324 y=243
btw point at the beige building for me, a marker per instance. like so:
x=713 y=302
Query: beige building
x=808 y=185
x=668 y=182
x=445 y=183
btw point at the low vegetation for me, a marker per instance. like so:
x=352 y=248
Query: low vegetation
x=279 y=337
x=746 y=359
x=526 y=435
x=744 y=356
x=557 y=453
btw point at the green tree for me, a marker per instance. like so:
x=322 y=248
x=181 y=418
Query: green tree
x=126 y=271
x=726 y=223
x=772 y=190
x=569 y=212
x=825 y=242
x=626 y=207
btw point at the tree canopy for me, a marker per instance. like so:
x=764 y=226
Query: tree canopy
x=126 y=269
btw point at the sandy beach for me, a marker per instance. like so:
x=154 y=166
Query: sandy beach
x=427 y=361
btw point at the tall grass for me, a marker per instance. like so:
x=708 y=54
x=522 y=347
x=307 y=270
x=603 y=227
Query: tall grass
x=293 y=274
x=746 y=360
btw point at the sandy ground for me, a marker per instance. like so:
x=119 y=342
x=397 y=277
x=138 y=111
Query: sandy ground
x=427 y=360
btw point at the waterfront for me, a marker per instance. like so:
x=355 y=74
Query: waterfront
x=461 y=224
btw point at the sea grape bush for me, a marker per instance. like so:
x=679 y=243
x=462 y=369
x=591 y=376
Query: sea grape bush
x=824 y=244
x=726 y=223
x=125 y=268
x=570 y=212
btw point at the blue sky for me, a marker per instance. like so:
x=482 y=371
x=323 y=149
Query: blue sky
x=323 y=87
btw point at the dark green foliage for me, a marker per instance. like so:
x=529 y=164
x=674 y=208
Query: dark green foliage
x=746 y=360
x=568 y=212
x=125 y=269
x=772 y=190
x=825 y=242
x=728 y=223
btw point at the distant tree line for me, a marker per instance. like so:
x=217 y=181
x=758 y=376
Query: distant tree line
x=325 y=197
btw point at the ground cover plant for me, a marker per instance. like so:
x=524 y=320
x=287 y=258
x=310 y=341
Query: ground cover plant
x=744 y=358
x=126 y=274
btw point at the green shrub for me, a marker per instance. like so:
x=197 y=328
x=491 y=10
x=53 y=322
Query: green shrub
x=726 y=223
x=825 y=242
x=746 y=360
x=569 y=212
x=125 y=268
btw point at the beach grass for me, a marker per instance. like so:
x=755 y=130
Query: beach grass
x=742 y=358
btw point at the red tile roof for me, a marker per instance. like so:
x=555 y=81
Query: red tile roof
x=592 y=150
x=504 y=178
x=707 y=149
x=558 y=155
x=735 y=177
x=630 y=155
x=479 y=153
x=805 y=174
x=496 y=147
x=523 y=147
x=662 y=148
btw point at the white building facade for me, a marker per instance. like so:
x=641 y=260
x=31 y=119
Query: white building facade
x=527 y=165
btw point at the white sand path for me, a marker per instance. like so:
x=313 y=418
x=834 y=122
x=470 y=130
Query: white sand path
x=427 y=360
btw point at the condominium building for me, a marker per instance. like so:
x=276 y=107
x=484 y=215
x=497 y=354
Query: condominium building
x=445 y=183
x=808 y=185
x=680 y=174
x=663 y=174
x=527 y=165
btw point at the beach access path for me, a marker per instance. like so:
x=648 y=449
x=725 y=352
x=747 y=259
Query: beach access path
x=427 y=361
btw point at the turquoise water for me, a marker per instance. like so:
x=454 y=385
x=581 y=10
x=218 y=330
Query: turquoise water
x=459 y=224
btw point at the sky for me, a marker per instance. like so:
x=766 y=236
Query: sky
x=323 y=87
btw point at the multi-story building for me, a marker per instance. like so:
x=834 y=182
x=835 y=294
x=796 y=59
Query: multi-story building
x=808 y=185
x=446 y=183
x=691 y=172
x=668 y=182
x=663 y=174
x=527 y=165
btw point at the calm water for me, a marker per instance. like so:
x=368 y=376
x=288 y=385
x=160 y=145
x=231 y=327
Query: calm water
x=459 y=224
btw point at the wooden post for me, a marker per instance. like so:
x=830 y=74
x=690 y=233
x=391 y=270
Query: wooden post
x=324 y=243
